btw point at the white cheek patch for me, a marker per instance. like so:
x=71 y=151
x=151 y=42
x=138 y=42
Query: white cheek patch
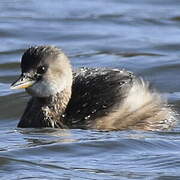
x=46 y=88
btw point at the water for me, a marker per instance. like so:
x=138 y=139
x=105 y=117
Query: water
x=142 y=36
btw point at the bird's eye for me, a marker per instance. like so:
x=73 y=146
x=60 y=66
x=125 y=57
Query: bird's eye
x=41 y=69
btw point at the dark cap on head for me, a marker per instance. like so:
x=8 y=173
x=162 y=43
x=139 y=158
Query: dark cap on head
x=46 y=71
x=34 y=55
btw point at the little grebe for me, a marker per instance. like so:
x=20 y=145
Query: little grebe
x=88 y=98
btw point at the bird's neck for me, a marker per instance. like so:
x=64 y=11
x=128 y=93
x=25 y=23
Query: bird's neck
x=53 y=108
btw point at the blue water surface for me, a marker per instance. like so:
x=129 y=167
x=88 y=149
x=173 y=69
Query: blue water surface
x=142 y=36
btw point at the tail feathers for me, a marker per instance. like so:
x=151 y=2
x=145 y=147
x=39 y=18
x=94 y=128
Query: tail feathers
x=143 y=109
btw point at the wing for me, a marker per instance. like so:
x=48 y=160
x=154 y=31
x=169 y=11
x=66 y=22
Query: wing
x=95 y=93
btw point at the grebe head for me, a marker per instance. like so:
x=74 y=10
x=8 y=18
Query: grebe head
x=46 y=71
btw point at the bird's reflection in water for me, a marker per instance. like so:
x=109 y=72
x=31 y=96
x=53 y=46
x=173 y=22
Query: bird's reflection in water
x=45 y=136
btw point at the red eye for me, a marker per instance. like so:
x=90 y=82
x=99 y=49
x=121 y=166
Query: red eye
x=41 y=69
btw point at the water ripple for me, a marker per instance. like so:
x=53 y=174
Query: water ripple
x=141 y=36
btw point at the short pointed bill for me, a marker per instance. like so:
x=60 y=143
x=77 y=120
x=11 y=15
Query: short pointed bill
x=22 y=82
